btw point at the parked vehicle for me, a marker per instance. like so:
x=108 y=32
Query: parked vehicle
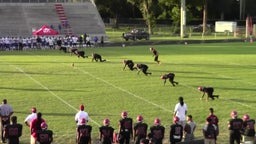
x=136 y=34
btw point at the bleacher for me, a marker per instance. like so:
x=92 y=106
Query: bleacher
x=19 y=19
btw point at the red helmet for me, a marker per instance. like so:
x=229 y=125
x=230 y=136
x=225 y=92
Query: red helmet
x=139 y=118
x=81 y=107
x=200 y=88
x=176 y=119
x=33 y=110
x=157 y=121
x=44 y=125
x=246 y=117
x=233 y=113
x=124 y=114
x=151 y=49
x=106 y=121
x=83 y=121
x=124 y=61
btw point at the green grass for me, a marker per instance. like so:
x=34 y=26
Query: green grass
x=46 y=80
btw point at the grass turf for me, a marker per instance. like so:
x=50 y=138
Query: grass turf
x=45 y=79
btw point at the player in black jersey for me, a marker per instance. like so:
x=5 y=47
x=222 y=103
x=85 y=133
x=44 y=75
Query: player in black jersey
x=130 y=64
x=235 y=126
x=139 y=130
x=80 y=54
x=209 y=91
x=106 y=132
x=155 y=55
x=12 y=131
x=44 y=136
x=83 y=132
x=169 y=76
x=97 y=58
x=143 y=68
x=156 y=134
x=125 y=129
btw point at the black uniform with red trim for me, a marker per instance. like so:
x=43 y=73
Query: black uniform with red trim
x=209 y=91
x=248 y=128
x=12 y=132
x=97 y=58
x=125 y=131
x=156 y=134
x=176 y=133
x=106 y=134
x=45 y=136
x=84 y=134
x=170 y=76
x=130 y=65
x=140 y=130
x=235 y=130
x=143 y=68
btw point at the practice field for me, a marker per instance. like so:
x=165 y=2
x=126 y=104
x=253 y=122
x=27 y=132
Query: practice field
x=46 y=79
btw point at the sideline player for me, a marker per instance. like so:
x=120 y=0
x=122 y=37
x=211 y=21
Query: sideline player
x=156 y=134
x=235 y=126
x=209 y=91
x=169 y=76
x=83 y=132
x=130 y=64
x=139 y=130
x=106 y=132
x=13 y=131
x=125 y=128
x=97 y=57
x=176 y=131
x=143 y=68
x=248 y=130
x=44 y=136
x=155 y=55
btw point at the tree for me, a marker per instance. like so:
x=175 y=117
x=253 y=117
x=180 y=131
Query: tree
x=147 y=8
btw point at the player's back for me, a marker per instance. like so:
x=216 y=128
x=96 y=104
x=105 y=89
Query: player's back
x=45 y=136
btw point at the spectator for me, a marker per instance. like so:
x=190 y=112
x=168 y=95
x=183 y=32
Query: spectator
x=156 y=134
x=176 y=131
x=234 y=126
x=189 y=129
x=214 y=119
x=102 y=41
x=5 y=113
x=81 y=114
x=180 y=111
x=125 y=128
x=44 y=136
x=248 y=130
x=139 y=130
x=83 y=132
x=209 y=132
x=95 y=40
x=30 y=117
x=13 y=131
x=106 y=132
x=35 y=126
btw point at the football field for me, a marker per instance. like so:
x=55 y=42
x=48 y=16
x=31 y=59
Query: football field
x=47 y=80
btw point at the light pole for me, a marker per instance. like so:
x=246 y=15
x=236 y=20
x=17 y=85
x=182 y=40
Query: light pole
x=182 y=18
x=241 y=9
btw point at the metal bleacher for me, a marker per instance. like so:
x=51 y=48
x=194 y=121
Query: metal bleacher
x=19 y=19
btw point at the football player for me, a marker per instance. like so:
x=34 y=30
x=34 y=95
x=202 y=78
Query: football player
x=209 y=91
x=169 y=76
x=106 y=132
x=139 y=130
x=97 y=58
x=80 y=54
x=130 y=64
x=155 y=54
x=143 y=68
x=125 y=128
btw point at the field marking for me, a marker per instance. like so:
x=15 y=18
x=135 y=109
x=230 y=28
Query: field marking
x=47 y=89
x=123 y=90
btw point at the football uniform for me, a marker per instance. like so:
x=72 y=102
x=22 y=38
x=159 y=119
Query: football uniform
x=125 y=131
x=106 y=133
x=234 y=130
x=45 y=136
x=143 y=68
x=84 y=134
x=140 y=131
x=176 y=133
x=12 y=133
x=97 y=57
x=157 y=134
x=130 y=64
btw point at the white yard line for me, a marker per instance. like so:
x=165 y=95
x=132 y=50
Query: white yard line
x=52 y=93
